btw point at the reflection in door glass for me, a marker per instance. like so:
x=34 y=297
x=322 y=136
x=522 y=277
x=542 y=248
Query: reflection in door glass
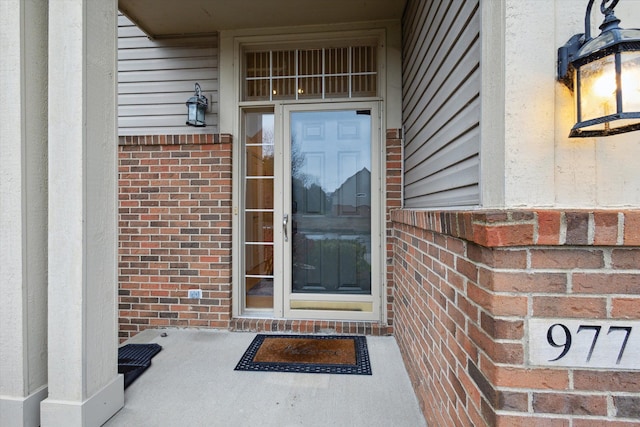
x=331 y=202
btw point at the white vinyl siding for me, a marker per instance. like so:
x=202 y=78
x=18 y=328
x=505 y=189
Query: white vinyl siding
x=156 y=77
x=441 y=103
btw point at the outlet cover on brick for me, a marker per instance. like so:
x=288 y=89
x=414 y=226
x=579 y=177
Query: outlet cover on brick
x=194 y=294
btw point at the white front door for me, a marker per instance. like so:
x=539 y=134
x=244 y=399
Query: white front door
x=312 y=209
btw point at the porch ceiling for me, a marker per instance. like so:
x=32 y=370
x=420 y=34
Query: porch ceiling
x=166 y=18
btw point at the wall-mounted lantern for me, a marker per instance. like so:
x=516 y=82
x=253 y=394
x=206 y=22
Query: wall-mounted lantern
x=196 y=108
x=604 y=74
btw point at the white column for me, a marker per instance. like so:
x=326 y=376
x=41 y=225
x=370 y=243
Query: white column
x=23 y=211
x=84 y=387
x=492 y=131
x=518 y=82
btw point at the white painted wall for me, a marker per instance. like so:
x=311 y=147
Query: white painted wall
x=539 y=165
x=529 y=103
x=23 y=211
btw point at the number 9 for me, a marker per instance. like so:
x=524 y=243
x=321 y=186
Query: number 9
x=566 y=344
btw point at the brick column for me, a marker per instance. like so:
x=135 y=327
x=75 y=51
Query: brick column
x=470 y=285
x=393 y=200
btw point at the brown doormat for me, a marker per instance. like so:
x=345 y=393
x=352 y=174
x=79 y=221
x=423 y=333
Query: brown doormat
x=322 y=354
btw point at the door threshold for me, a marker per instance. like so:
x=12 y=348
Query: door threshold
x=304 y=326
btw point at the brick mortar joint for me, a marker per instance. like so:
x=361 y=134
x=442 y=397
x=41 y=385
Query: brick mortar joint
x=175 y=139
x=487 y=223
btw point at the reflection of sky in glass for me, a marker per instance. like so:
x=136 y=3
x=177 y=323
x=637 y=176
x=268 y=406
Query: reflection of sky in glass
x=267 y=134
x=328 y=147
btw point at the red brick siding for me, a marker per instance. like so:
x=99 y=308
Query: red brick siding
x=393 y=196
x=175 y=235
x=174 y=232
x=466 y=282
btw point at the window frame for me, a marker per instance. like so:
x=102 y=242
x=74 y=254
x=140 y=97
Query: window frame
x=299 y=74
x=231 y=98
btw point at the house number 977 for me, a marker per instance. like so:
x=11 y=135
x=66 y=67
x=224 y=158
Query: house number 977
x=565 y=342
x=584 y=343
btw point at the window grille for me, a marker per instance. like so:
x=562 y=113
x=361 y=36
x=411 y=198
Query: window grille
x=342 y=72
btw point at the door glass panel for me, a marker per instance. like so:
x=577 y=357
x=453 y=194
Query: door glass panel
x=258 y=227
x=331 y=202
x=259 y=160
x=259 y=259
x=259 y=193
x=258 y=129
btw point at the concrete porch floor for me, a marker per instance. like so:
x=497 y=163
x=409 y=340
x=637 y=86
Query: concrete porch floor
x=191 y=382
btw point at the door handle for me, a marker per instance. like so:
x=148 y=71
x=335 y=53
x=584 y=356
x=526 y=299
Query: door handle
x=285 y=222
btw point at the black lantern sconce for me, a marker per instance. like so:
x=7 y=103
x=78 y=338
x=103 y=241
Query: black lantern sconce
x=604 y=74
x=196 y=108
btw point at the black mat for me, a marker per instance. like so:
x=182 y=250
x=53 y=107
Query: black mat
x=134 y=359
x=362 y=365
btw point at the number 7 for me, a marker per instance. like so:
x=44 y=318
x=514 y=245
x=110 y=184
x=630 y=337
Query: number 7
x=595 y=337
x=626 y=338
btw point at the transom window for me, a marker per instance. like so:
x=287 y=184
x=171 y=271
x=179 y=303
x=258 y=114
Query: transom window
x=319 y=73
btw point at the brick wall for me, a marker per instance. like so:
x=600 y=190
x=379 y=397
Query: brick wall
x=466 y=285
x=393 y=196
x=175 y=235
x=175 y=231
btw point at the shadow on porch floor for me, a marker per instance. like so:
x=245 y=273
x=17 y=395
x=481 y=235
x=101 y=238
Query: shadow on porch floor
x=191 y=382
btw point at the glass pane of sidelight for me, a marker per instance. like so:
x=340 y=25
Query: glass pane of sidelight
x=259 y=160
x=259 y=259
x=259 y=293
x=259 y=276
x=259 y=193
x=258 y=227
x=258 y=138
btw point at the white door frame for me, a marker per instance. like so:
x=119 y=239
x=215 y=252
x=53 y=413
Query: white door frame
x=282 y=250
